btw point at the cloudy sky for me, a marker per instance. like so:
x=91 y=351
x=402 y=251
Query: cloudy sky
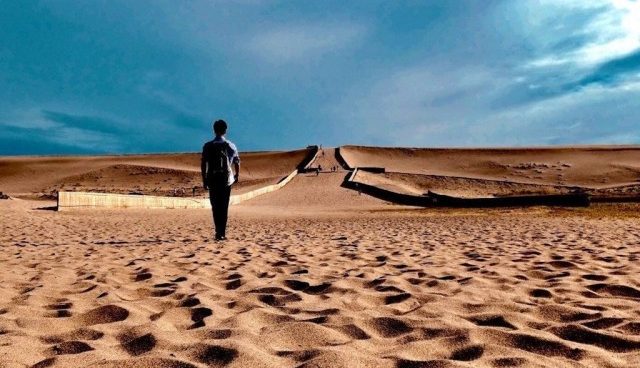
x=137 y=76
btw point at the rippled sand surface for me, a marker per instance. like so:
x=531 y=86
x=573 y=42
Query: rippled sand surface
x=379 y=288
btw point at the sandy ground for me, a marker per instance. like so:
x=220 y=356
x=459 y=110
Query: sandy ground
x=317 y=275
x=377 y=287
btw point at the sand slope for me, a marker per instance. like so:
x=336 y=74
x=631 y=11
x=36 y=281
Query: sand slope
x=417 y=184
x=315 y=192
x=573 y=166
x=158 y=174
x=308 y=192
x=605 y=173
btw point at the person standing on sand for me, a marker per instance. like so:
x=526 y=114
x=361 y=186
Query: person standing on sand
x=217 y=177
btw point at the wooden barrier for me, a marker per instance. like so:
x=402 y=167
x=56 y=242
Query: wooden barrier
x=69 y=200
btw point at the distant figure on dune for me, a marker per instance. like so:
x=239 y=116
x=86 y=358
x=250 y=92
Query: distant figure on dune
x=218 y=155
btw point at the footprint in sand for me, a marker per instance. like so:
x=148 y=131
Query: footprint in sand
x=104 y=314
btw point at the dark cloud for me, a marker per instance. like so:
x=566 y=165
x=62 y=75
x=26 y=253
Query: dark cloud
x=38 y=146
x=570 y=43
x=36 y=141
x=185 y=120
x=551 y=84
x=613 y=71
x=92 y=123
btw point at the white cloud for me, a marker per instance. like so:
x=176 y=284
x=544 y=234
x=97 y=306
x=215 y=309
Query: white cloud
x=595 y=114
x=293 y=43
x=30 y=123
x=461 y=106
x=613 y=33
x=419 y=105
x=85 y=139
x=27 y=118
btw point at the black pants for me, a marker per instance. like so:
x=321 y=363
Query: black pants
x=219 y=197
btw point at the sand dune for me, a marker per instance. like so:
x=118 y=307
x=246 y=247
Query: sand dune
x=592 y=167
x=149 y=174
x=605 y=173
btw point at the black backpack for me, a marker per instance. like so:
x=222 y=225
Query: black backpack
x=218 y=159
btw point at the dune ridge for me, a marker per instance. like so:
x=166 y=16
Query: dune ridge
x=586 y=166
x=158 y=174
x=604 y=173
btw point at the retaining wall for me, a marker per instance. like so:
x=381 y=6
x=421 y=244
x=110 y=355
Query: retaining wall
x=341 y=160
x=439 y=200
x=385 y=194
x=313 y=153
x=70 y=200
x=566 y=200
x=311 y=157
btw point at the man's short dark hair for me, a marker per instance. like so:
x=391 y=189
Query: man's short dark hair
x=220 y=127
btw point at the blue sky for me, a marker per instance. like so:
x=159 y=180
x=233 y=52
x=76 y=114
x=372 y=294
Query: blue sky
x=137 y=76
